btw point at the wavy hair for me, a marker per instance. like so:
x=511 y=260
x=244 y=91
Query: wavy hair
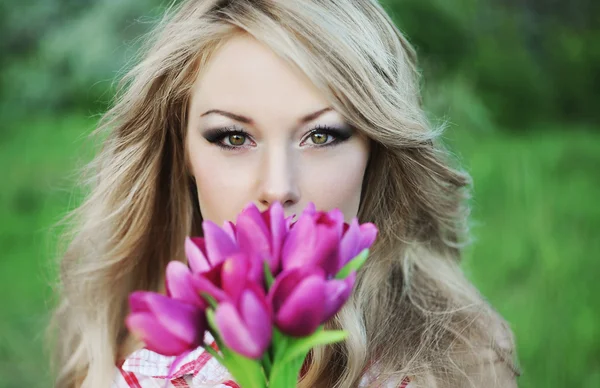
x=413 y=312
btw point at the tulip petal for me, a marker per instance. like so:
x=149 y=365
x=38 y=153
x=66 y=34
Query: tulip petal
x=234 y=332
x=310 y=209
x=255 y=313
x=219 y=246
x=325 y=249
x=185 y=321
x=147 y=328
x=289 y=221
x=229 y=228
x=234 y=275
x=278 y=233
x=180 y=285
x=349 y=245
x=302 y=312
x=203 y=284
x=253 y=238
x=138 y=302
x=368 y=234
x=297 y=249
x=333 y=219
x=194 y=248
x=287 y=281
x=252 y=214
x=337 y=293
x=356 y=239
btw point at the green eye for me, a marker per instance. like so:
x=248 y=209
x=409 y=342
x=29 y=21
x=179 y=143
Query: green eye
x=236 y=139
x=319 y=138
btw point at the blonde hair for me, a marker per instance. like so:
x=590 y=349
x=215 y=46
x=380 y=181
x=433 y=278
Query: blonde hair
x=413 y=312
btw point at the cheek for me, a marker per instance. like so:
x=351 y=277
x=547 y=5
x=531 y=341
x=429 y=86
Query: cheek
x=336 y=181
x=223 y=183
x=329 y=178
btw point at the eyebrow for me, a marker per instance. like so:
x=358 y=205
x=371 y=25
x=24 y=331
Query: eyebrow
x=247 y=120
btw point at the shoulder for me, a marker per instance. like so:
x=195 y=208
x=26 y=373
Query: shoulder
x=503 y=347
x=498 y=363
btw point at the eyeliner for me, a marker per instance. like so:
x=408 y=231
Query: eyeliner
x=213 y=135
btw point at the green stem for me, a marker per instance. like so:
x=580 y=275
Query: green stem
x=214 y=353
x=267 y=364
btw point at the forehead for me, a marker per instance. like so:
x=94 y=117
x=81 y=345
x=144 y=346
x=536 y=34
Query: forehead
x=246 y=75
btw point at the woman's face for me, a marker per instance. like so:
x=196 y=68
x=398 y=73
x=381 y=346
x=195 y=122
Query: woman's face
x=259 y=131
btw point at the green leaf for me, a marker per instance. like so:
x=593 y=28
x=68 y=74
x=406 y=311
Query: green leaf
x=266 y=363
x=299 y=346
x=214 y=330
x=286 y=367
x=353 y=265
x=279 y=344
x=286 y=375
x=245 y=371
x=214 y=353
x=268 y=275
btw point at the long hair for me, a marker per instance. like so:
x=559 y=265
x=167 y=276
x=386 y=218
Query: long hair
x=413 y=312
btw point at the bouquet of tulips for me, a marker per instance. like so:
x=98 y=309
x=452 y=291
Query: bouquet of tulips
x=263 y=287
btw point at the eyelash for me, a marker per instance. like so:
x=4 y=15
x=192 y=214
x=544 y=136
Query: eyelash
x=216 y=136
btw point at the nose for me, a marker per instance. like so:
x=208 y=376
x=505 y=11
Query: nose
x=278 y=181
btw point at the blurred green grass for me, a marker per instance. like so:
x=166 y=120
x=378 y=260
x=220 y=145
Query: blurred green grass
x=39 y=158
x=535 y=219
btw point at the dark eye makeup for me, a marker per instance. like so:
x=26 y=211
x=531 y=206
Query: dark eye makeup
x=217 y=136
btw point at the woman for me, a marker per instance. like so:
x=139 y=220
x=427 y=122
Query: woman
x=294 y=101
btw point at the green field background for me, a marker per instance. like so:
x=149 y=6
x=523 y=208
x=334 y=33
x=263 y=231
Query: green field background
x=534 y=155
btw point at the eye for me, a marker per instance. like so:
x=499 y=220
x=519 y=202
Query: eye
x=319 y=138
x=326 y=136
x=228 y=138
x=235 y=139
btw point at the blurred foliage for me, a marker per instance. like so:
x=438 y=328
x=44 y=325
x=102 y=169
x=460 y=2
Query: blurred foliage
x=60 y=55
x=517 y=80
x=531 y=61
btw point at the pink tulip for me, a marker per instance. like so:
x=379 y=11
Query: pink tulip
x=356 y=238
x=181 y=284
x=302 y=299
x=217 y=244
x=243 y=316
x=227 y=264
x=261 y=236
x=325 y=240
x=245 y=323
x=167 y=326
x=225 y=281
x=311 y=243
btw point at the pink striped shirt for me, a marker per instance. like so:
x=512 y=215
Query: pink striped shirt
x=147 y=369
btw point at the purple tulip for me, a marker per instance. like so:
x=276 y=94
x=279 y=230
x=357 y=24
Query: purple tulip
x=311 y=243
x=261 y=236
x=337 y=293
x=323 y=239
x=217 y=245
x=356 y=238
x=302 y=299
x=245 y=324
x=227 y=263
x=225 y=281
x=181 y=284
x=243 y=316
x=167 y=326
